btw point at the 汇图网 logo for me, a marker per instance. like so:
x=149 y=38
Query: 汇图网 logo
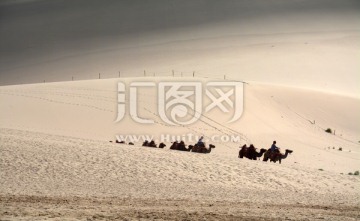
x=183 y=103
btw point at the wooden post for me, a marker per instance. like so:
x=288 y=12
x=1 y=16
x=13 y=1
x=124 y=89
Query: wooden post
x=224 y=77
x=99 y=76
x=72 y=78
x=119 y=74
x=194 y=74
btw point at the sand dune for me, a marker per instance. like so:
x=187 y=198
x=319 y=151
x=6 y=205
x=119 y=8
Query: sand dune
x=93 y=176
x=270 y=112
x=297 y=62
x=51 y=165
x=69 y=157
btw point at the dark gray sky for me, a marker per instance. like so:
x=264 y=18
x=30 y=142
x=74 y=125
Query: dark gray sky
x=31 y=32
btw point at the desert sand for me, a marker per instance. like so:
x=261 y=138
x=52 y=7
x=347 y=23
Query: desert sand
x=57 y=161
x=298 y=63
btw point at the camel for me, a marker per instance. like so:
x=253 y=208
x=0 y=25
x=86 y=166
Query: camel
x=250 y=152
x=131 y=143
x=179 y=146
x=174 y=145
x=152 y=144
x=276 y=156
x=146 y=143
x=149 y=144
x=201 y=148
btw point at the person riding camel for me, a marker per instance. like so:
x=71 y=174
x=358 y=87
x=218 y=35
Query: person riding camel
x=200 y=143
x=274 y=148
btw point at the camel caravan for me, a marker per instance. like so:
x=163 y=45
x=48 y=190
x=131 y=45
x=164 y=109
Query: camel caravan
x=153 y=144
x=197 y=148
x=273 y=154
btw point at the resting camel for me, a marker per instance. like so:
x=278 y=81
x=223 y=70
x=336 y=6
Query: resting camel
x=201 y=148
x=276 y=156
x=149 y=144
x=153 y=144
x=179 y=146
x=250 y=152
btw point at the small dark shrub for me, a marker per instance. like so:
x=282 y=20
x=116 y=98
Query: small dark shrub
x=328 y=131
x=356 y=173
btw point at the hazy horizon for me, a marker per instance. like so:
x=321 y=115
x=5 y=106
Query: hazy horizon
x=58 y=40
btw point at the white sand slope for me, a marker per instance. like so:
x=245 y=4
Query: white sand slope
x=88 y=109
x=54 y=143
x=49 y=165
x=300 y=60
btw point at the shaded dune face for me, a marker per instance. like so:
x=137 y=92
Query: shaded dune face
x=253 y=40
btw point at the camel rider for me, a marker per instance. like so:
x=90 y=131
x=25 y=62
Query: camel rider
x=200 y=142
x=274 y=148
